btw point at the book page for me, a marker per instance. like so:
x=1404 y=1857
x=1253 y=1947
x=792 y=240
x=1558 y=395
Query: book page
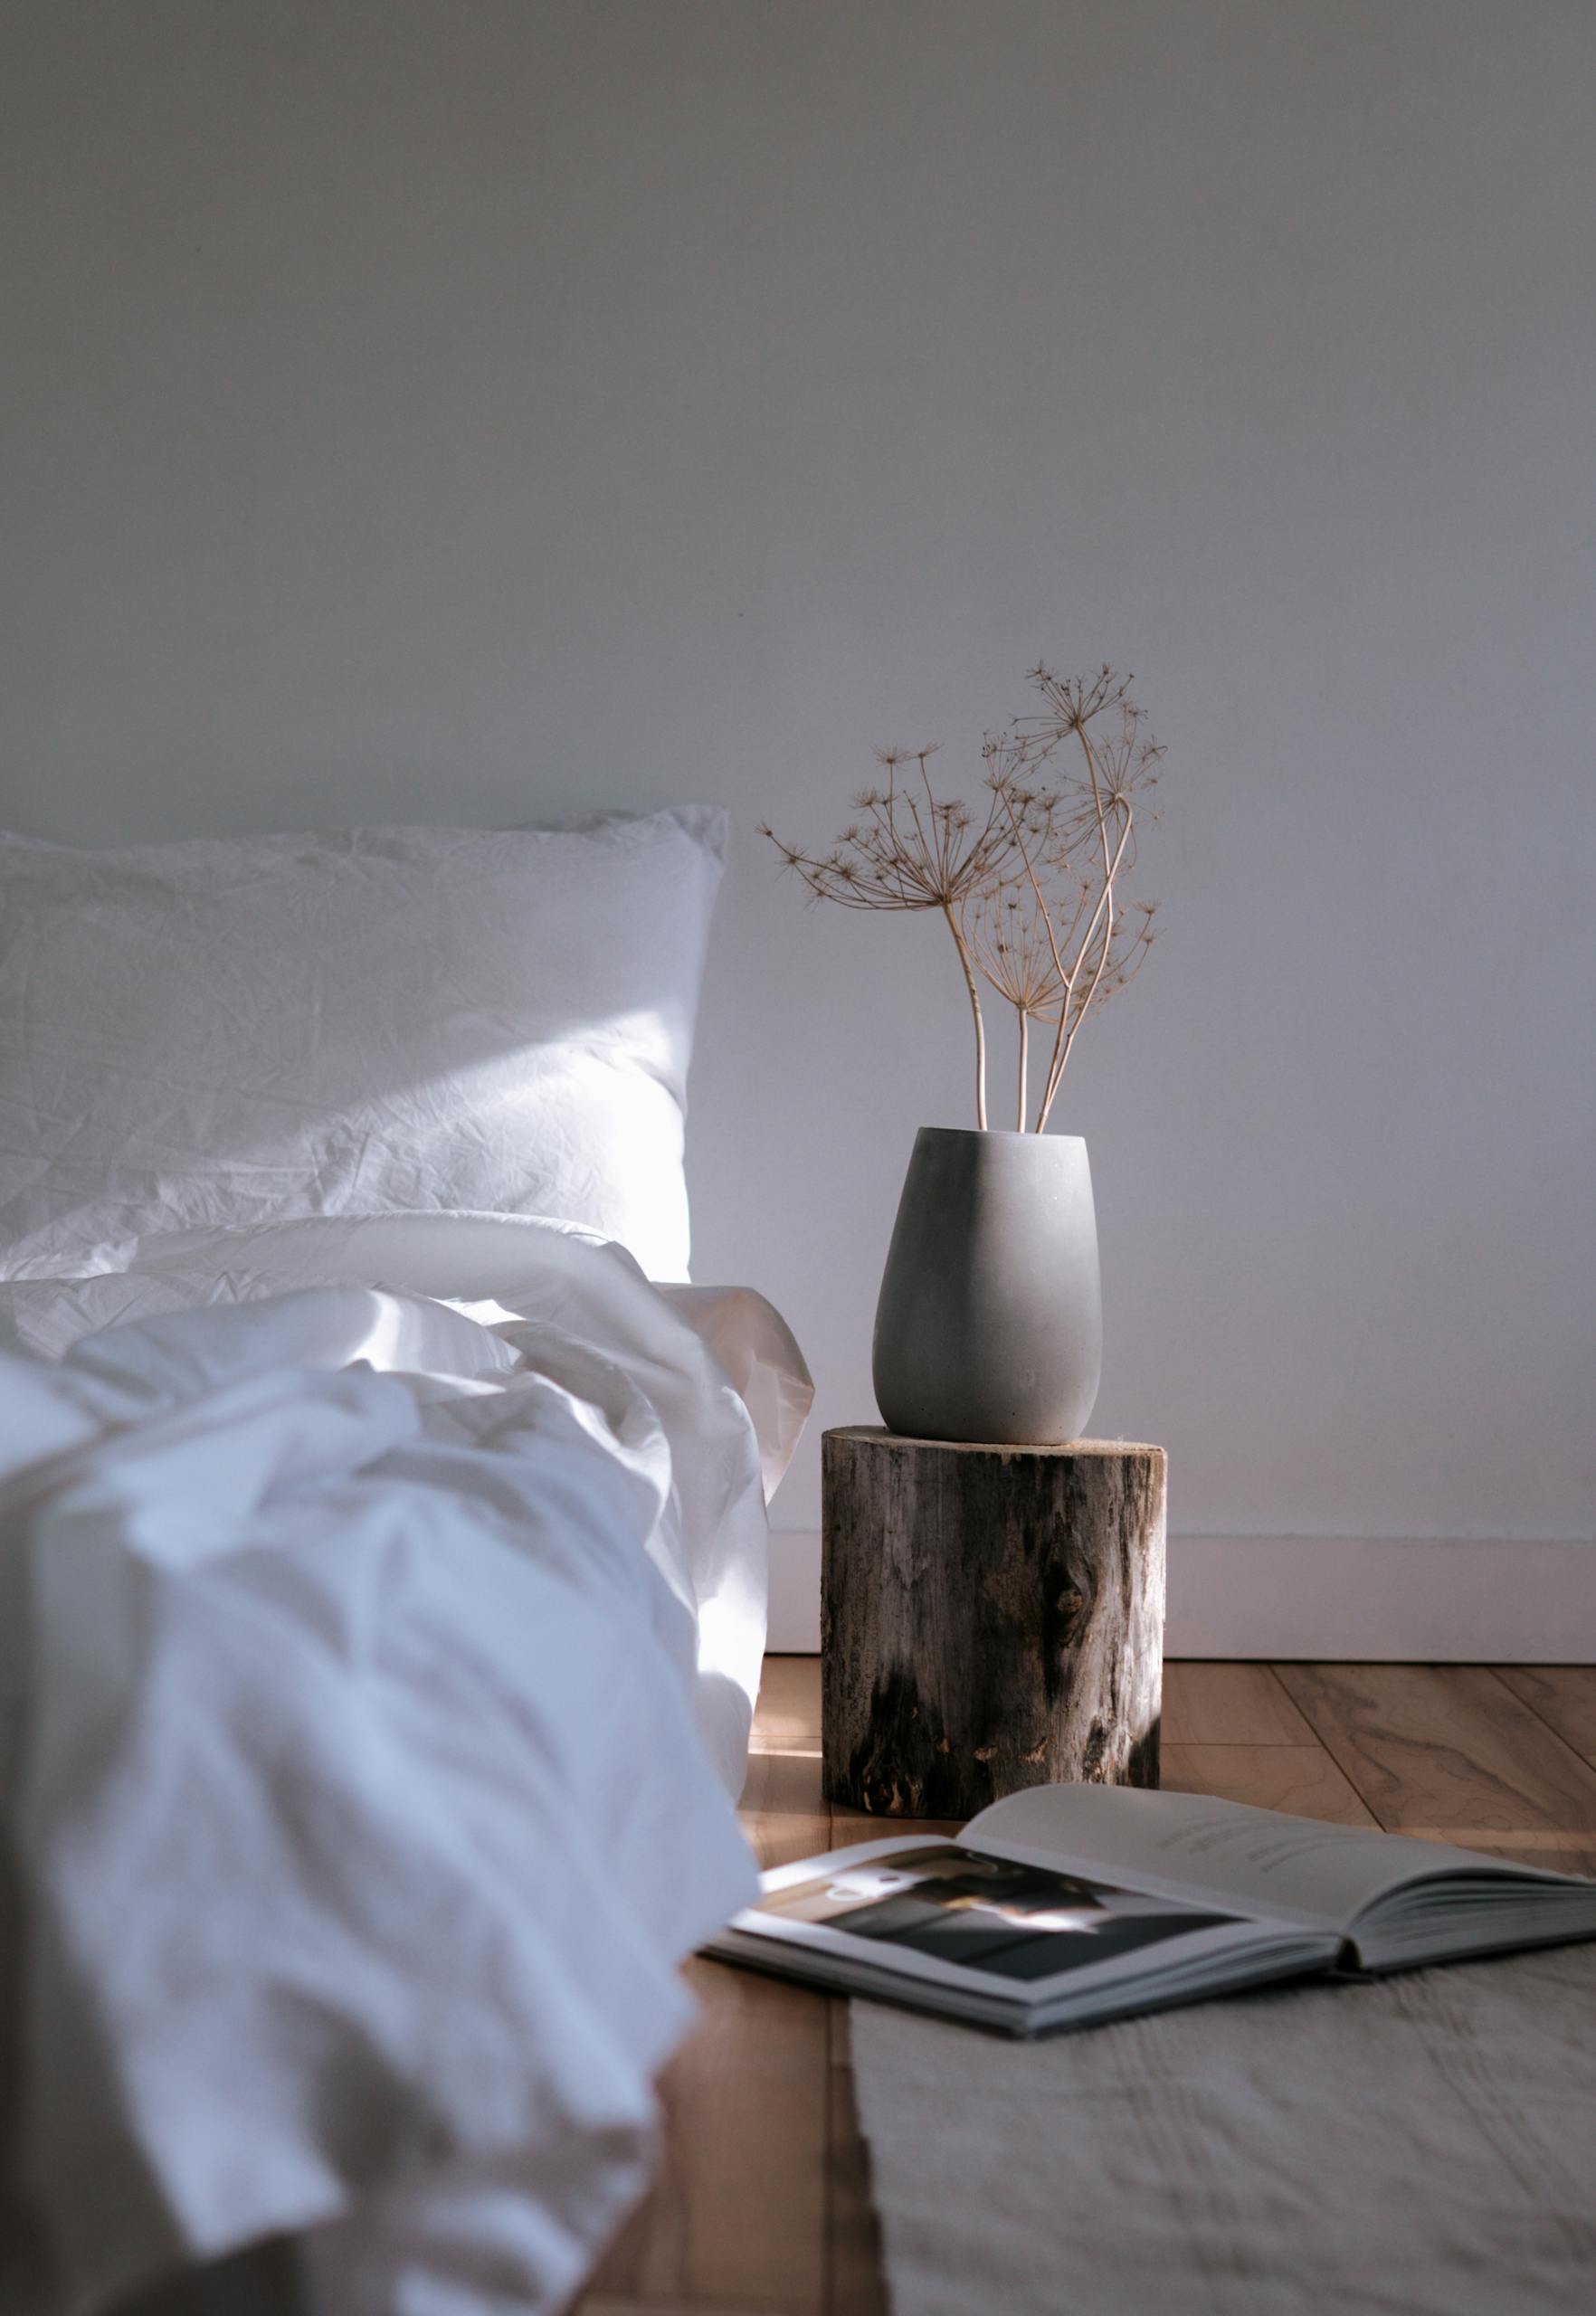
x=1291 y=1868
x=934 y=1908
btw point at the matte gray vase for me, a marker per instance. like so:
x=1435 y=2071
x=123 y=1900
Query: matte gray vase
x=989 y=1325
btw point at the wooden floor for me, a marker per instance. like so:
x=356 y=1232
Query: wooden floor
x=762 y=2206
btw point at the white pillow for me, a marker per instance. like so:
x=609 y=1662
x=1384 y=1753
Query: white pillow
x=247 y=1029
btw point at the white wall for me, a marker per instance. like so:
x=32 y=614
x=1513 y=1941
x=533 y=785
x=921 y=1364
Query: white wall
x=453 y=410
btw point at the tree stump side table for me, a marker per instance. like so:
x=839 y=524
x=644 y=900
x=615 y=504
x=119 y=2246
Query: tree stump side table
x=991 y=1618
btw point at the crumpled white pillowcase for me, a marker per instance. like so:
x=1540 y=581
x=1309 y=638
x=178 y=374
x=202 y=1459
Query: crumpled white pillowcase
x=241 y=1030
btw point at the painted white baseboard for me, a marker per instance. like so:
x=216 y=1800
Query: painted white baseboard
x=1374 y=1601
x=793 y=1629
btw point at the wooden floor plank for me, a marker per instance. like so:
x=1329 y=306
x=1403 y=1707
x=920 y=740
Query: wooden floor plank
x=757 y=2111
x=850 y=1826
x=1229 y=1704
x=1300 y=1779
x=736 y=2217
x=738 y=2212
x=782 y=1811
x=1450 y=1753
x=1563 y=1695
x=607 y=2303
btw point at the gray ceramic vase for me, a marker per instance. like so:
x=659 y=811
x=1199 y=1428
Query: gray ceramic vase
x=989 y=1325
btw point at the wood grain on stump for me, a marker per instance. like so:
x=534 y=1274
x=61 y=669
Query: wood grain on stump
x=991 y=1618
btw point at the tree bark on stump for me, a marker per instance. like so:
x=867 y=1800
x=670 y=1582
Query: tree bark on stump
x=991 y=1618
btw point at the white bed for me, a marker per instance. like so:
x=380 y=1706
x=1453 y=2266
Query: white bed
x=384 y=1587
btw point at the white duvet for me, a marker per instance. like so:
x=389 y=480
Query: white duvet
x=376 y=1673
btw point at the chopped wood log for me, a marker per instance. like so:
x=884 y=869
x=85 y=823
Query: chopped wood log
x=991 y=1618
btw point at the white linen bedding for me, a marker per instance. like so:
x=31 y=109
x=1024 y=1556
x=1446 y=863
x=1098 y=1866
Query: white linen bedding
x=233 y=1030
x=376 y=1677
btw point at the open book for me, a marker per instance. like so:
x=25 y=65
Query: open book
x=1069 y=1904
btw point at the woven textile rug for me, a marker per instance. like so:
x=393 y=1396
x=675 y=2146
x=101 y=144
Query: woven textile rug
x=1423 y=2146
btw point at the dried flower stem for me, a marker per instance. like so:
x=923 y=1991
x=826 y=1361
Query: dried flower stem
x=974 y=986
x=912 y=854
x=1094 y=808
x=1035 y=885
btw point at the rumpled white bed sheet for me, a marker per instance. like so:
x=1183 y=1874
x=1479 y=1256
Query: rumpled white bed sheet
x=377 y=1664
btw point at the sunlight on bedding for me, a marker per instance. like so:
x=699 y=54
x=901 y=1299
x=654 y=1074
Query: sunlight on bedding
x=226 y=1032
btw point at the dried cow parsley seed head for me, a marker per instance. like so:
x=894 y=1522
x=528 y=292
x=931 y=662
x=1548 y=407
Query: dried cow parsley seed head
x=1031 y=890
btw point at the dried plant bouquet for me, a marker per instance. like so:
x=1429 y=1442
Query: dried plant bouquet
x=1032 y=888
